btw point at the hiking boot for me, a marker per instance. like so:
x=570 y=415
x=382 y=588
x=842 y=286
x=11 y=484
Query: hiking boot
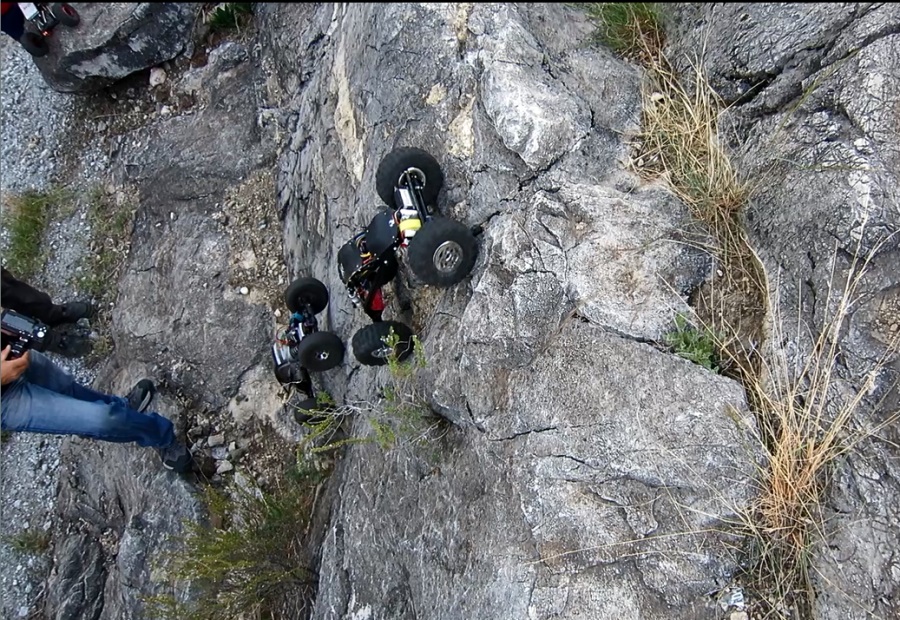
x=176 y=457
x=141 y=395
x=75 y=310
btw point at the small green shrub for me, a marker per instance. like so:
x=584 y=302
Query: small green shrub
x=697 y=345
x=632 y=29
x=248 y=562
x=33 y=542
x=230 y=16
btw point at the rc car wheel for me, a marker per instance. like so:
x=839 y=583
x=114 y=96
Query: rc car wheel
x=288 y=374
x=443 y=252
x=303 y=291
x=320 y=351
x=369 y=344
x=66 y=14
x=398 y=161
x=34 y=44
x=309 y=411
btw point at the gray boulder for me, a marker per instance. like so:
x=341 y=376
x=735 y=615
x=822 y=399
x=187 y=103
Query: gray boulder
x=114 y=40
x=584 y=472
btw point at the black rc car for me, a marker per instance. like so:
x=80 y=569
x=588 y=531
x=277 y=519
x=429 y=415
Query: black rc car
x=302 y=348
x=45 y=17
x=439 y=251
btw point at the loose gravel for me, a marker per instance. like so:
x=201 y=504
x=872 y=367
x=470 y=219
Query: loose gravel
x=33 y=124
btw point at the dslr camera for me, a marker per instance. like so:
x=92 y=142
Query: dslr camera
x=23 y=333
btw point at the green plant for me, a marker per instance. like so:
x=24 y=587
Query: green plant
x=250 y=560
x=30 y=541
x=697 y=345
x=26 y=219
x=631 y=29
x=229 y=16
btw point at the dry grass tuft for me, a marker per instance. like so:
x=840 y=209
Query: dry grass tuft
x=807 y=414
x=809 y=419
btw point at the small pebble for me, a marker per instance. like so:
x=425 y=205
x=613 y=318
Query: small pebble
x=216 y=440
x=245 y=290
x=223 y=467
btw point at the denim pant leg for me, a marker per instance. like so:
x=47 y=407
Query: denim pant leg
x=48 y=400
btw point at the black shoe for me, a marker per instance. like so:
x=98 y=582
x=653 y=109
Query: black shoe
x=176 y=457
x=141 y=395
x=67 y=345
x=75 y=310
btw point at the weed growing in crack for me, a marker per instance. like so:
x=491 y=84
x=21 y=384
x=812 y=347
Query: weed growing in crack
x=228 y=16
x=699 y=345
x=26 y=218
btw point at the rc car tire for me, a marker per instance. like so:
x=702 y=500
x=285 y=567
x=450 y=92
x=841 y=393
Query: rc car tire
x=309 y=411
x=443 y=252
x=34 y=44
x=369 y=346
x=288 y=374
x=320 y=351
x=395 y=163
x=66 y=14
x=304 y=291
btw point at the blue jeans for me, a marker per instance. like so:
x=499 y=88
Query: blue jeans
x=46 y=399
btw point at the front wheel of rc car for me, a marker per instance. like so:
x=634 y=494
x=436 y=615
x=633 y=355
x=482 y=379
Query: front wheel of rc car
x=443 y=252
x=370 y=344
x=34 y=44
x=421 y=164
x=306 y=291
x=309 y=411
x=66 y=14
x=320 y=351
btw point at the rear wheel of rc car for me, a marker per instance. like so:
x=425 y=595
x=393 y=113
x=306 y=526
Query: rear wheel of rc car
x=309 y=411
x=443 y=252
x=306 y=291
x=320 y=351
x=370 y=345
x=288 y=374
x=34 y=44
x=66 y=14
x=423 y=166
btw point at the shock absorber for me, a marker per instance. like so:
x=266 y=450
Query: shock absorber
x=408 y=223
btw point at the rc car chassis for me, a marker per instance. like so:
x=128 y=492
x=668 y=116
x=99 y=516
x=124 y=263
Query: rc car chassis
x=438 y=250
x=45 y=17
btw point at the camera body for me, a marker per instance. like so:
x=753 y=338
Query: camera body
x=24 y=333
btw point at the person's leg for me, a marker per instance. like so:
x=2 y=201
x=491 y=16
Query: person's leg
x=21 y=296
x=13 y=24
x=32 y=404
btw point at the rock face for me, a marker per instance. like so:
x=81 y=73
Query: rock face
x=815 y=88
x=585 y=471
x=114 y=40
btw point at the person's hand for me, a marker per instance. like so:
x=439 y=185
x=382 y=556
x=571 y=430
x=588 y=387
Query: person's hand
x=10 y=370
